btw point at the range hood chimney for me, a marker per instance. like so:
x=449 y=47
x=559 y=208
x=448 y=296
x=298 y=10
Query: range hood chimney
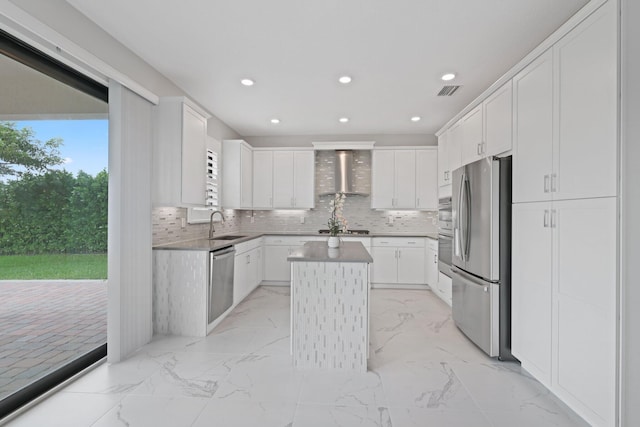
x=343 y=177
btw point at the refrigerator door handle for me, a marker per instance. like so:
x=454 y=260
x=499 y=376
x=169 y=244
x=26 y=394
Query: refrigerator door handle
x=456 y=226
x=459 y=236
x=467 y=223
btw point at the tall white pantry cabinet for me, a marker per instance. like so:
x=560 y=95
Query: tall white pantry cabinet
x=564 y=272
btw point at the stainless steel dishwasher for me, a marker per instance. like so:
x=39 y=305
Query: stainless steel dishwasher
x=220 y=289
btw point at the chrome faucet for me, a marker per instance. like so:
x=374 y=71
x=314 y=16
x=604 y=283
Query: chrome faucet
x=211 y=229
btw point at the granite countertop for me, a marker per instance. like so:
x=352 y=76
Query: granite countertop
x=433 y=236
x=209 y=245
x=320 y=252
x=215 y=244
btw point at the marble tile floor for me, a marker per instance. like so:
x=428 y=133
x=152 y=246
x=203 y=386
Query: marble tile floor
x=422 y=372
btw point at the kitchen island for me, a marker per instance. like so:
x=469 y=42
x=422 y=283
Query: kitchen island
x=330 y=306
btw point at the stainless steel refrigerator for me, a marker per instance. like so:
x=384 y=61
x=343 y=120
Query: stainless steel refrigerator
x=481 y=271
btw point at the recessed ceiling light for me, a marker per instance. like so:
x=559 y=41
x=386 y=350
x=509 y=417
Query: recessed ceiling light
x=416 y=118
x=247 y=82
x=343 y=119
x=448 y=76
x=275 y=121
x=345 y=80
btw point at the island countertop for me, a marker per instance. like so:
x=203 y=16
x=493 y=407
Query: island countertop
x=320 y=252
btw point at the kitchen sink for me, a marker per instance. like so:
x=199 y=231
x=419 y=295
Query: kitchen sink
x=228 y=237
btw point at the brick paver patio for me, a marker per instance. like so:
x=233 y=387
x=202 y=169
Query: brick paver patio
x=45 y=324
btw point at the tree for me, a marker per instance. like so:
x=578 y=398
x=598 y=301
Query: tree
x=18 y=147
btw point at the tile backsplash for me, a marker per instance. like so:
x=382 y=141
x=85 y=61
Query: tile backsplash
x=357 y=209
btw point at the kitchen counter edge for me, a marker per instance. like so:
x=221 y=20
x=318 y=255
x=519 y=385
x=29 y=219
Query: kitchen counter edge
x=212 y=245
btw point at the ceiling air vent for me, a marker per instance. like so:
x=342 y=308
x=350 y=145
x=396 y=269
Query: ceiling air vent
x=448 y=90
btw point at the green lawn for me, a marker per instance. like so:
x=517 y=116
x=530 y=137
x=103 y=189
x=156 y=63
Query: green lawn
x=34 y=267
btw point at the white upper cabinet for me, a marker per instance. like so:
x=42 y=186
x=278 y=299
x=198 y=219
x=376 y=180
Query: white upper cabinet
x=456 y=136
x=405 y=179
x=472 y=144
x=444 y=173
x=498 y=121
x=179 y=154
x=586 y=150
x=393 y=179
x=263 y=179
x=383 y=171
x=293 y=179
x=565 y=138
x=283 y=179
x=304 y=179
x=237 y=175
x=426 y=179
x=533 y=130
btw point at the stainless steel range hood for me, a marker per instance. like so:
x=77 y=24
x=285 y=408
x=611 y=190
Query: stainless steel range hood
x=343 y=177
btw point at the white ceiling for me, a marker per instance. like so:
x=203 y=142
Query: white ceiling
x=27 y=94
x=295 y=50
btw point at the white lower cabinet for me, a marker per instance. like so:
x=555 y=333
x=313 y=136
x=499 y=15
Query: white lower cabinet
x=444 y=288
x=531 y=289
x=398 y=261
x=276 y=266
x=431 y=263
x=276 y=250
x=247 y=273
x=564 y=301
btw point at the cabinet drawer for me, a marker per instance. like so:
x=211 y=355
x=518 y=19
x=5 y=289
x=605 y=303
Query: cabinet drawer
x=291 y=240
x=366 y=241
x=248 y=245
x=279 y=240
x=399 y=242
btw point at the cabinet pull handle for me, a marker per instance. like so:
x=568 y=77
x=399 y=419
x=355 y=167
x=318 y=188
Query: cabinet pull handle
x=553 y=182
x=553 y=218
x=411 y=243
x=271 y=201
x=399 y=251
x=546 y=218
x=479 y=149
x=435 y=258
x=546 y=183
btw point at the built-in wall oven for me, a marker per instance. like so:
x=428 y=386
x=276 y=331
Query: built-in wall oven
x=445 y=235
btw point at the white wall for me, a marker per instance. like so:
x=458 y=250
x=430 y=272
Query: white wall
x=630 y=212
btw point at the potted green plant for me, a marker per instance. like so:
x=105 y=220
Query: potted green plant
x=337 y=222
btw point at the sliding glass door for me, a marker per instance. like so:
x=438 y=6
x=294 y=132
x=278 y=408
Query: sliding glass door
x=53 y=223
